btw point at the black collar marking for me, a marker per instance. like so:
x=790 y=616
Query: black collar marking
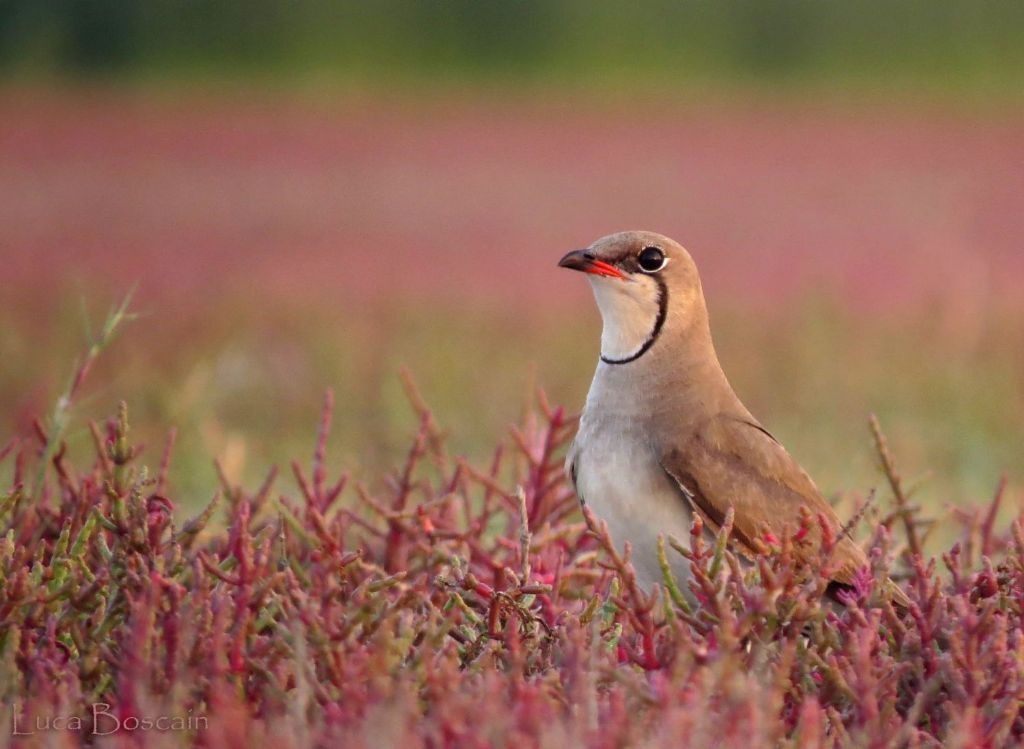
x=655 y=331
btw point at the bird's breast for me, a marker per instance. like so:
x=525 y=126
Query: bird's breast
x=619 y=478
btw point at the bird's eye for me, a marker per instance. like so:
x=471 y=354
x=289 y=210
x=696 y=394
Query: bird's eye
x=651 y=259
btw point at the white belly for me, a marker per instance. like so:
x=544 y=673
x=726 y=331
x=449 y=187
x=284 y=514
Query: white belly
x=622 y=483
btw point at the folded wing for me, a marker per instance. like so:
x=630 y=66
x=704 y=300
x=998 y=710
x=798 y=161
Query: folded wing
x=733 y=461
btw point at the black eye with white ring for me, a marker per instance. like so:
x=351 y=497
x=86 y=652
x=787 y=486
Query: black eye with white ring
x=651 y=259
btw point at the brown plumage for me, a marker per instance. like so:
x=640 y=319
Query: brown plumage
x=663 y=435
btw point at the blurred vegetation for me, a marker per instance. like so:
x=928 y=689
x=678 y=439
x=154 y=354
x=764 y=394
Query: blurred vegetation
x=953 y=43
x=245 y=386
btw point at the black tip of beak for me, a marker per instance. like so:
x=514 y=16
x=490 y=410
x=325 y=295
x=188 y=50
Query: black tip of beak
x=576 y=260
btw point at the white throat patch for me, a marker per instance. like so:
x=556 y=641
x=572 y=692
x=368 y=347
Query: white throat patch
x=629 y=310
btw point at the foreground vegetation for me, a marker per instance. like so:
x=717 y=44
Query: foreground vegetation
x=461 y=605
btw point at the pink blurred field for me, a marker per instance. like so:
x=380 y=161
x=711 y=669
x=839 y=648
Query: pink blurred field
x=855 y=259
x=470 y=201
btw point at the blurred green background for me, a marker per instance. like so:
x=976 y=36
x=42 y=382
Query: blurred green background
x=879 y=43
x=312 y=194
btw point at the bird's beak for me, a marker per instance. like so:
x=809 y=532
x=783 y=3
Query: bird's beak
x=583 y=260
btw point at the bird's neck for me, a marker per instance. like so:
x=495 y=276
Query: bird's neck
x=680 y=370
x=632 y=317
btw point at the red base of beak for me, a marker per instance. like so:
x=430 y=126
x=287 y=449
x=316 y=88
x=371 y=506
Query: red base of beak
x=601 y=268
x=582 y=260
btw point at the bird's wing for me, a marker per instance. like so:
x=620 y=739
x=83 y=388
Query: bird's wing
x=733 y=461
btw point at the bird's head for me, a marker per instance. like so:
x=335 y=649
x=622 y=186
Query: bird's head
x=643 y=282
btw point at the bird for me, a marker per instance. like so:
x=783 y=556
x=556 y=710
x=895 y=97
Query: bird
x=663 y=436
